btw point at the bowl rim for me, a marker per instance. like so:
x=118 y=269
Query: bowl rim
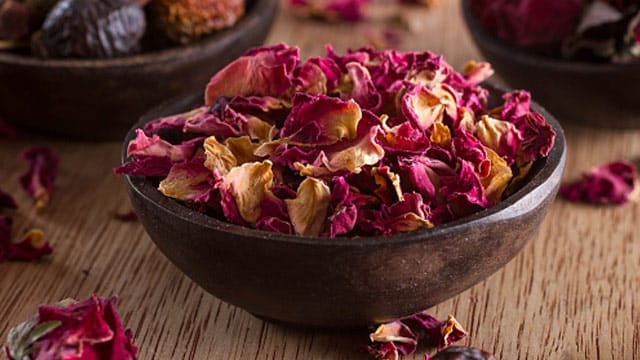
x=256 y=9
x=548 y=167
x=517 y=54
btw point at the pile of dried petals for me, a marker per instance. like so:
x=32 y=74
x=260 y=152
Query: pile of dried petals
x=592 y=30
x=401 y=337
x=611 y=183
x=367 y=143
x=90 y=329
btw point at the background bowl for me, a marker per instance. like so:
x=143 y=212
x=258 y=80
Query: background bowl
x=96 y=99
x=322 y=282
x=603 y=95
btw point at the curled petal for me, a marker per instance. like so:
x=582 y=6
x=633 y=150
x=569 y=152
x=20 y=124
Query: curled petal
x=266 y=71
x=259 y=129
x=242 y=148
x=422 y=107
x=537 y=137
x=310 y=79
x=39 y=178
x=364 y=91
x=308 y=210
x=389 y=189
x=189 y=180
x=249 y=184
x=366 y=152
x=395 y=331
x=477 y=72
x=154 y=146
x=218 y=156
x=31 y=246
x=496 y=183
x=451 y=332
x=500 y=136
x=321 y=120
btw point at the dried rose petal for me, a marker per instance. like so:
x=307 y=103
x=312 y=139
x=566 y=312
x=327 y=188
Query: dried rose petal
x=348 y=10
x=154 y=146
x=43 y=169
x=402 y=336
x=500 y=136
x=265 y=71
x=249 y=184
x=129 y=216
x=146 y=166
x=189 y=180
x=31 y=246
x=308 y=210
x=498 y=179
x=90 y=329
x=611 y=183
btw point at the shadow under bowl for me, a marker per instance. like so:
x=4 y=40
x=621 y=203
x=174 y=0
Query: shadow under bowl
x=593 y=94
x=97 y=99
x=343 y=282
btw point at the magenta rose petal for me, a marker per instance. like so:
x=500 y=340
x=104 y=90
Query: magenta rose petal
x=39 y=179
x=613 y=183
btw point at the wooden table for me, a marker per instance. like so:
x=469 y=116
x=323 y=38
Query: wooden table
x=573 y=293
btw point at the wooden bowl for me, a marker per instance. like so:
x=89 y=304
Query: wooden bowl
x=602 y=95
x=97 y=99
x=343 y=282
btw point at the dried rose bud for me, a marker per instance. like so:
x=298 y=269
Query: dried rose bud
x=90 y=329
x=43 y=169
x=461 y=353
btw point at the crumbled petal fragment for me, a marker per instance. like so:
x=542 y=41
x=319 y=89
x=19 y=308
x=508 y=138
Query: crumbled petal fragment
x=308 y=211
x=611 y=183
x=39 y=179
x=265 y=71
x=90 y=329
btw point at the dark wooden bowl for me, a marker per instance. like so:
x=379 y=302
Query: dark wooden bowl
x=97 y=99
x=602 y=95
x=347 y=282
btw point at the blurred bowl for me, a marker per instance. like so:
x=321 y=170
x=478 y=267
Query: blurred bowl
x=601 y=95
x=342 y=282
x=97 y=99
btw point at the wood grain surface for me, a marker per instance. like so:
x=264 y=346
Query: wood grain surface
x=573 y=293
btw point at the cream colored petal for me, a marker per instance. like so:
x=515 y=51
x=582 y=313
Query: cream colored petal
x=242 y=148
x=183 y=184
x=496 y=183
x=249 y=184
x=441 y=135
x=308 y=211
x=383 y=176
x=352 y=159
x=219 y=156
x=259 y=129
x=391 y=332
x=489 y=131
